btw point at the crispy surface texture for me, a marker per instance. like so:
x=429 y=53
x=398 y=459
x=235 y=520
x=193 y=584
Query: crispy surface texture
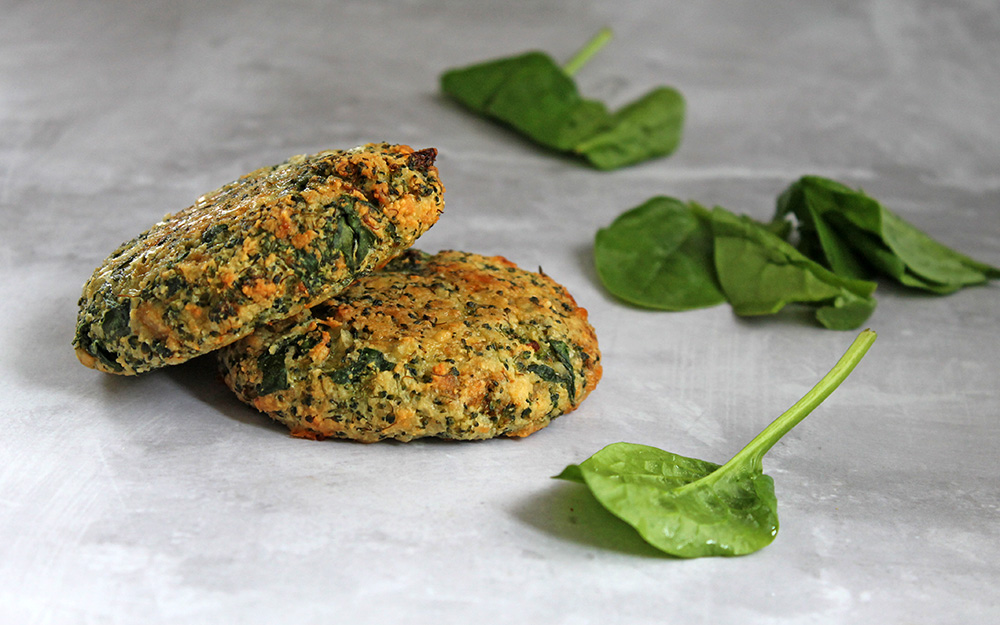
x=454 y=345
x=257 y=250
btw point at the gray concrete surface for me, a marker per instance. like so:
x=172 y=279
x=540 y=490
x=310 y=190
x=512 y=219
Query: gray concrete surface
x=162 y=499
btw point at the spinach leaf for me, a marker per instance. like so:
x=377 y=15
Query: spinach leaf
x=691 y=508
x=351 y=238
x=648 y=128
x=541 y=101
x=854 y=235
x=562 y=354
x=545 y=372
x=274 y=375
x=531 y=93
x=660 y=255
x=816 y=239
x=568 y=379
x=760 y=274
x=367 y=360
x=670 y=255
x=116 y=321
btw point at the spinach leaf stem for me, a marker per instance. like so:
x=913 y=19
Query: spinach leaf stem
x=754 y=451
x=589 y=49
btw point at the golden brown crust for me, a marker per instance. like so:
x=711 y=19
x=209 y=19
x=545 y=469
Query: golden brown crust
x=260 y=249
x=454 y=345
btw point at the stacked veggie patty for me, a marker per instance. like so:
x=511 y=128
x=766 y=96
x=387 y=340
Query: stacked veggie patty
x=259 y=249
x=455 y=346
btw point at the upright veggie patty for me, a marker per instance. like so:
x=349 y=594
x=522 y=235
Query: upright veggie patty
x=257 y=250
x=454 y=345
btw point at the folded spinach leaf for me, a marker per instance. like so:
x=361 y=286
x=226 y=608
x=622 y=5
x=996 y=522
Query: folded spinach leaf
x=854 y=235
x=659 y=255
x=691 y=508
x=648 y=128
x=534 y=95
x=760 y=274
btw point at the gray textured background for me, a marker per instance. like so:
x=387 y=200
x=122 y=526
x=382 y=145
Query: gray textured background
x=162 y=499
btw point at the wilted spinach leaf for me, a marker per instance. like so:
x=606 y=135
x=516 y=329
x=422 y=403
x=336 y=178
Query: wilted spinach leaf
x=568 y=379
x=351 y=238
x=691 y=508
x=367 y=360
x=274 y=375
x=854 y=235
x=534 y=95
x=115 y=323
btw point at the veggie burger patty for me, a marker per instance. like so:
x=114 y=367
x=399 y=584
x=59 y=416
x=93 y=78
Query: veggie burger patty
x=257 y=250
x=454 y=345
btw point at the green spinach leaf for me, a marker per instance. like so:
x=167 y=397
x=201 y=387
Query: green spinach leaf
x=560 y=353
x=351 y=238
x=659 y=255
x=670 y=255
x=531 y=93
x=760 y=274
x=115 y=323
x=854 y=235
x=648 y=128
x=273 y=372
x=691 y=508
x=368 y=360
